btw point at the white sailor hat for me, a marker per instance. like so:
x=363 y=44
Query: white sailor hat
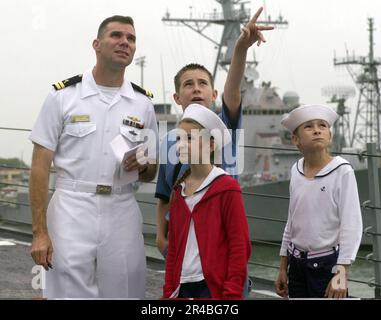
x=306 y=113
x=209 y=120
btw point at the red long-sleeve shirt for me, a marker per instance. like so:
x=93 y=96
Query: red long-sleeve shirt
x=222 y=236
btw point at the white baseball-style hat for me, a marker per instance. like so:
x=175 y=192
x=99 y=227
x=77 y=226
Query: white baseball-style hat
x=306 y=113
x=209 y=120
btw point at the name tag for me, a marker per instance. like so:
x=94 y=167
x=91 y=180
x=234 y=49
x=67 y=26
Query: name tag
x=80 y=118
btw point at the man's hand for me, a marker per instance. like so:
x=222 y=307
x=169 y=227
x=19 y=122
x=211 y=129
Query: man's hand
x=252 y=33
x=42 y=250
x=137 y=161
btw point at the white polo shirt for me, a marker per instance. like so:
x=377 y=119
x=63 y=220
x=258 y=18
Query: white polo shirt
x=82 y=147
x=324 y=211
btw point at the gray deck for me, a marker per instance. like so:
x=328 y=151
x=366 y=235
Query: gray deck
x=16 y=272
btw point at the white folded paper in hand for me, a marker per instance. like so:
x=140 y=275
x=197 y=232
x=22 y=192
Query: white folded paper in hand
x=122 y=151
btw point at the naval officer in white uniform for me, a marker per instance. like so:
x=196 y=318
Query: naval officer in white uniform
x=89 y=237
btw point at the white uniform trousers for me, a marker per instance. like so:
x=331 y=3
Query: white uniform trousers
x=98 y=246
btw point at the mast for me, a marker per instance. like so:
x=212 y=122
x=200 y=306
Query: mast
x=341 y=128
x=367 y=119
x=232 y=16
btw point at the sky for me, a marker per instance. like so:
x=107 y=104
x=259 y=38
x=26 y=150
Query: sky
x=45 y=41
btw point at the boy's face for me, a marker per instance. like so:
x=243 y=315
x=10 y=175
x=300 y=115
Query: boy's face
x=195 y=87
x=312 y=135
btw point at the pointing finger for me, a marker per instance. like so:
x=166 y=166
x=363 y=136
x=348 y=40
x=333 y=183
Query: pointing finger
x=262 y=28
x=257 y=14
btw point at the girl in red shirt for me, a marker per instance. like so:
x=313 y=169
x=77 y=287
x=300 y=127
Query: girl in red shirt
x=208 y=242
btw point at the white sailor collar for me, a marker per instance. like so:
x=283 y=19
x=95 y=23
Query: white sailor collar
x=213 y=175
x=89 y=87
x=335 y=163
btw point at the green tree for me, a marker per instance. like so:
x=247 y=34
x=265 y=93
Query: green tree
x=13 y=163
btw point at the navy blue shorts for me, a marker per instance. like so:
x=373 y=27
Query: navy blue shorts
x=309 y=278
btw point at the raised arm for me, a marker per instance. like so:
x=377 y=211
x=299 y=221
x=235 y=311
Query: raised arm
x=250 y=34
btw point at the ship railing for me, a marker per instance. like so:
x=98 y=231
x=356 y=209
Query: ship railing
x=372 y=206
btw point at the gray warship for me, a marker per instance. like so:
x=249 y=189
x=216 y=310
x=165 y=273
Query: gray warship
x=268 y=153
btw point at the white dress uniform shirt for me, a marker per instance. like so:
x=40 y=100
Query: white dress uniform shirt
x=82 y=149
x=324 y=211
